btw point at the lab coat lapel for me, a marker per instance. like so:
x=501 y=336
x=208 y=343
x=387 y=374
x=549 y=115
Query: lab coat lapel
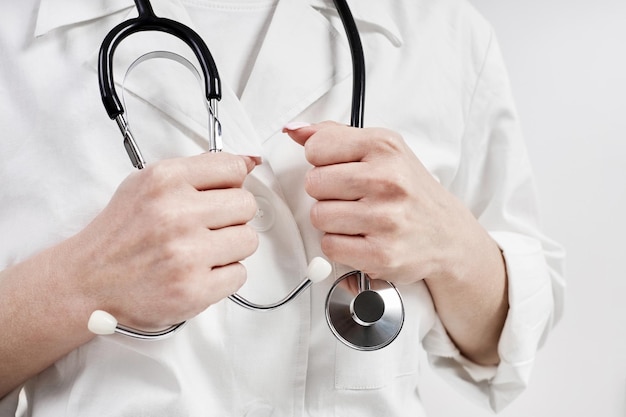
x=304 y=54
x=53 y=14
x=301 y=58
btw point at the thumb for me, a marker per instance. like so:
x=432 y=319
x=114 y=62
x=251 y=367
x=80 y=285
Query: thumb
x=301 y=132
x=251 y=161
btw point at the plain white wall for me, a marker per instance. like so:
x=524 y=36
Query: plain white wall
x=567 y=62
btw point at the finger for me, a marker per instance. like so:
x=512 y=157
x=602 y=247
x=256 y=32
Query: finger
x=347 y=181
x=329 y=143
x=195 y=211
x=229 y=245
x=349 y=250
x=206 y=288
x=221 y=208
x=223 y=281
x=356 y=218
x=213 y=170
x=301 y=132
x=341 y=217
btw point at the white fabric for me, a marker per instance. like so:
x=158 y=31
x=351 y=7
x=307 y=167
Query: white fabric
x=434 y=74
x=219 y=21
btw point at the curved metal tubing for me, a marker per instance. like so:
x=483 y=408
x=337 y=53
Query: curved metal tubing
x=268 y=307
x=148 y=335
x=238 y=299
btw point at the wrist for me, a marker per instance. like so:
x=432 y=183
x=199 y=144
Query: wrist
x=67 y=304
x=471 y=298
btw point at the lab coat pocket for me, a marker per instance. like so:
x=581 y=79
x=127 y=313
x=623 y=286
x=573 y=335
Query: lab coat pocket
x=361 y=370
x=370 y=370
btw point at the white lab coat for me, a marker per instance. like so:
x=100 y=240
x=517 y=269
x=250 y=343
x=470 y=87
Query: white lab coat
x=434 y=75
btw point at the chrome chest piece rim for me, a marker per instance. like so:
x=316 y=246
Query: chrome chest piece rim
x=364 y=314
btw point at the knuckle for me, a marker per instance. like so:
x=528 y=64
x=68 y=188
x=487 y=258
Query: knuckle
x=327 y=245
x=388 y=140
x=312 y=181
x=175 y=258
x=239 y=276
x=317 y=145
x=387 y=217
x=157 y=176
x=316 y=215
x=248 y=204
x=379 y=254
x=224 y=281
x=167 y=222
x=392 y=184
x=249 y=239
x=311 y=149
x=237 y=167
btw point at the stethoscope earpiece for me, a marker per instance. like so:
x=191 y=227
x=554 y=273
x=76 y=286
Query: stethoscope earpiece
x=318 y=270
x=101 y=323
x=364 y=314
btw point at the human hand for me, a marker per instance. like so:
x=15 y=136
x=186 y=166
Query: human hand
x=169 y=242
x=381 y=210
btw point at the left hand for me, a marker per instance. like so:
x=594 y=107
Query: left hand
x=381 y=211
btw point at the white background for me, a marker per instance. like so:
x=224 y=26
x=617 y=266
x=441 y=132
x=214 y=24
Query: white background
x=567 y=62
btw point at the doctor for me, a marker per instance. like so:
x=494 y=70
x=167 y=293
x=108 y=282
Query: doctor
x=439 y=200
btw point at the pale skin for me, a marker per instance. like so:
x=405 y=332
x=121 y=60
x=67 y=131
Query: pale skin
x=383 y=213
x=165 y=248
x=380 y=209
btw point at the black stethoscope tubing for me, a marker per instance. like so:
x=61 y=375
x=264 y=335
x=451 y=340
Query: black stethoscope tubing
x=148 y=21
x=358 y=62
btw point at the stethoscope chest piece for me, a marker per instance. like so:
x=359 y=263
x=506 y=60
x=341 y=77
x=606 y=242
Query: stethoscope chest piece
x=362 y=313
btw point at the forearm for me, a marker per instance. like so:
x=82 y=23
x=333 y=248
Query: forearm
x=472 y=300
x=41 y=317
x=197 y=202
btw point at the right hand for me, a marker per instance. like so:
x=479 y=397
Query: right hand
x=169 y=242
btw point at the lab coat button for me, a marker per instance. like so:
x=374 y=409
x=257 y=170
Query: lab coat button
x=264 y=217
x=260 y=410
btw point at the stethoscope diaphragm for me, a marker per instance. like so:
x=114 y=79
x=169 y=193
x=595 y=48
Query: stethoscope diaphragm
x=364 y=314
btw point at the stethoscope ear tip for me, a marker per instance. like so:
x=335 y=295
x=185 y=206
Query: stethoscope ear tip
x=318 y=270
x=101 y=323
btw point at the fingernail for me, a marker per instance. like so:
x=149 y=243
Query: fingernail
x=295 y=126
x=252 y=161
x=256 y=159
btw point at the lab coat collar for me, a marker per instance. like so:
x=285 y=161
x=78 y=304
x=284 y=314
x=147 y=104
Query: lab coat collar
x=369 y=15
x=57 y=14
x=54 y=14
x=298 y=62
x=239 y=134
x=306 y=57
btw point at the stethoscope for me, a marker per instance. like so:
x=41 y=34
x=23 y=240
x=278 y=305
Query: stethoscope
x=362 y=313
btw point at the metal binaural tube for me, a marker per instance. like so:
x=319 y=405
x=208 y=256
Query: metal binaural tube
x=243 y=302
x=132 y=149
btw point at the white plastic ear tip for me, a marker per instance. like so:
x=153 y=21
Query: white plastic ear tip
x=102 y=323
x=318 y=270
